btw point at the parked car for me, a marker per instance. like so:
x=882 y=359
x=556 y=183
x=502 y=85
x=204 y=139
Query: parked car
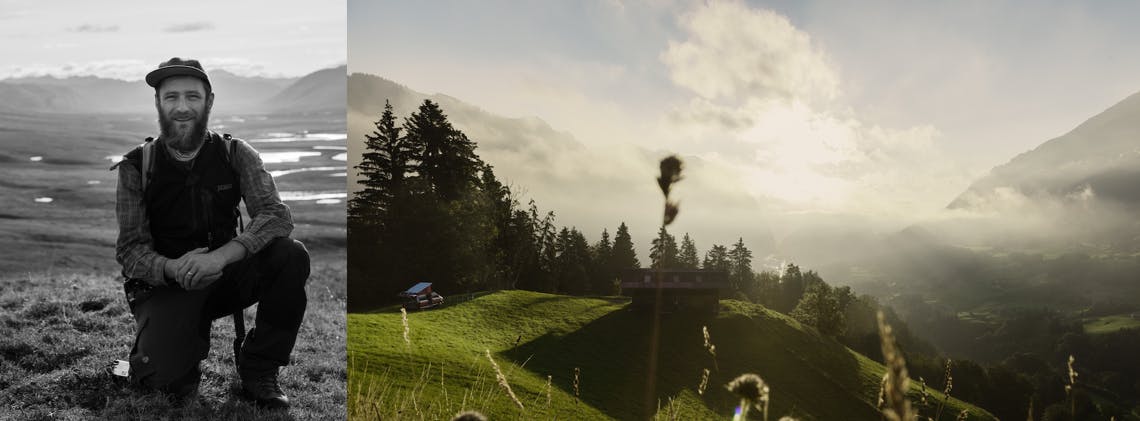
x=420 y=296
x=421 y=302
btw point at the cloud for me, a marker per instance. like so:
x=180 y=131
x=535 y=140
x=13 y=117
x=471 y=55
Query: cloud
x=189 y=27
x=770 y=103
x=123 y=69
x=733 y=50
x=93 y=28
x=14 y=14
x=236 y=65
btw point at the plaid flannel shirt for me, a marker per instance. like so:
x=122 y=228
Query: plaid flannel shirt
x=134 y=250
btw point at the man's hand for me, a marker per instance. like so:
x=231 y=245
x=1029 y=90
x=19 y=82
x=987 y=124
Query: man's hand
x=199 y=268
x=176 y=268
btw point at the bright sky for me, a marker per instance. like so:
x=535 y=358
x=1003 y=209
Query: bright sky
x=125 y=39
x=867 y=108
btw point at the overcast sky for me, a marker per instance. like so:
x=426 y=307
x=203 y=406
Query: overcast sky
x=125 y=39
x=863 y=108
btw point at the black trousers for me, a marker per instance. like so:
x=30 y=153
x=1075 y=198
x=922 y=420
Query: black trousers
x=173 y=325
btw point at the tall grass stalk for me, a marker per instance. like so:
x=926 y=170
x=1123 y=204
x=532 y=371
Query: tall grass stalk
x=704 y=382
x=577 y=372
x=1069 y=387
x=549 y=380
x=882 y=401
x=897 y=382
x=670 y=174
x=407 y=329
x=503 y=380
x=710 y=347
x=922 y=382
x=378 y=398
x=945 y=390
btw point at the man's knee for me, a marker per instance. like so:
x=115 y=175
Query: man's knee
x=289 y=254
x=170 y=340
x=284 y=250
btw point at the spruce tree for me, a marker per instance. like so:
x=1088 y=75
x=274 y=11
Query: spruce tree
x=447 y=157
x=717 y=259
x=385 y=164
x=740 y=273
x=687 y=259
x=624 y=255
x=602 y=273
x=663 y=250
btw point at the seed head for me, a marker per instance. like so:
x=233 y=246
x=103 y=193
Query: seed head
x=751 y=389
x=670 y=173
x=469 y=416
x=407 y=329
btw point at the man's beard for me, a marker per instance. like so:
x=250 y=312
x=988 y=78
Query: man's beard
x=183 y=140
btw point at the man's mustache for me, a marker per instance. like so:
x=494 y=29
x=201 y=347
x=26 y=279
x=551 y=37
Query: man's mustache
x=183 y=116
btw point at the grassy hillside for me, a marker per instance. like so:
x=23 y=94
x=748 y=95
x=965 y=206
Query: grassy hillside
x=57 y=332
x=443 y=367
x=1109 y=324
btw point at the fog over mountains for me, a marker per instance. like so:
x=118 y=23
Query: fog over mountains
x=1099 y=158
x=588 y=188
x=320 y=91
x=1072 y=192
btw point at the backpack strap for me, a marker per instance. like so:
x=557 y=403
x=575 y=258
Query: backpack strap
x=145 y=148
x=228 y=150
x=147 y=169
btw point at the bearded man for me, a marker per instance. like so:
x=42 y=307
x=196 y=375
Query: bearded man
x=185 y=263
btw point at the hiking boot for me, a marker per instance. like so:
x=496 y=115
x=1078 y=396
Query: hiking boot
x=264 y=390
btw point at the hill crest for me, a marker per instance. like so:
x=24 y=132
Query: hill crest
x=534 y=335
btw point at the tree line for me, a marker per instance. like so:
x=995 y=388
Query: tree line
x=429 y=209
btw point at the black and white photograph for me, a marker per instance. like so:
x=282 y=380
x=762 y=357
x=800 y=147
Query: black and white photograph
x=172 y=210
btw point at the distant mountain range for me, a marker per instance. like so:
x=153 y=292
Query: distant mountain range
x=1098 y=159
x=501 y=139
x=320 y=91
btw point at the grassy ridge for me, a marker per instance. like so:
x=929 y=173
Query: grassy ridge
x=58 y=331
x=811 y=377
x=1109 y=324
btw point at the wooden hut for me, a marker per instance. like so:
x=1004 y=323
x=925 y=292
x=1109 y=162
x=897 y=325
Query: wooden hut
x=681 y=290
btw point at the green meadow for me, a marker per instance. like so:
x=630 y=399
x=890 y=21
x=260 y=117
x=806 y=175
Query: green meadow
x=539 y=341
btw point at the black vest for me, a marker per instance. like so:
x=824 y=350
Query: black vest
x=196 y=207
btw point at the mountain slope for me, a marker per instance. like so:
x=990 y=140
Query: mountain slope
x=533 y=335
x=323 y=90
x=1100 y=157
x=512 y=145
x=77 y=94
x=234 y=94
x=528 y=136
